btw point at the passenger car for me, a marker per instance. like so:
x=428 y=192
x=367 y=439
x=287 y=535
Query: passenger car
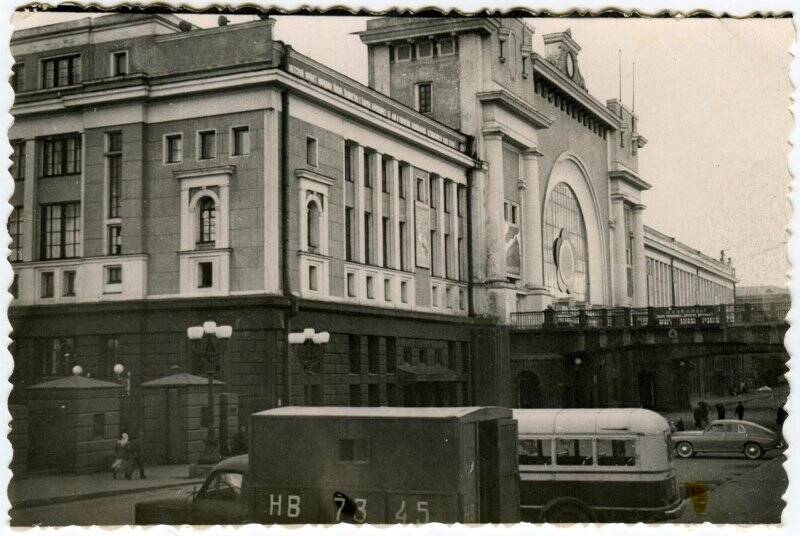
x=726 y=436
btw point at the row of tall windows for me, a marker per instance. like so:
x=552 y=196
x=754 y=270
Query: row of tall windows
x=61 y=155
x=207 y=145
x=61 y=230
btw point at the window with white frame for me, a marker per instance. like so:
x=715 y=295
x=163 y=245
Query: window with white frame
x=446 y=46
x=311 y=151
x=119 y=63
x=61 y=71
x=313 y=215
x=207 y=227
x=207 y=144
x=240 y=141
x=402 y=53
x=173 y=148
x=425 y=49
x=424 y=95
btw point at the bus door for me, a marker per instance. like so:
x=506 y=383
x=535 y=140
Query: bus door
x=498 y=470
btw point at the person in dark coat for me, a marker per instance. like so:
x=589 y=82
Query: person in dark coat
x=779 y=420
x=704 y=409
x=135 y=458
x=740 y=411
x=720 y=410
x=679 y=426
x=698 y=417
x=240 y=440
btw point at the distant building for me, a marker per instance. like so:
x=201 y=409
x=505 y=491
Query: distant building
x=770 y=301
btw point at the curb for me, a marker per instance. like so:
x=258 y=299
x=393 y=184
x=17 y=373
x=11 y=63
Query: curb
x=47 y=501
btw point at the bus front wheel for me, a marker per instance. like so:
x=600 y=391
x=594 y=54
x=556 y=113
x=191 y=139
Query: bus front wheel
x=567 y=511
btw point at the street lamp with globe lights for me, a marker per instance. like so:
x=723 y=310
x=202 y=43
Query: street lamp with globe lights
x=310 y=347
x=209 y=342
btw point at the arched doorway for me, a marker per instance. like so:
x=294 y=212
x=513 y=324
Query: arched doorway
x=530 y=390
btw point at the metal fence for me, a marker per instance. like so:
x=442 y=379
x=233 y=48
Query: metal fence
x=634 y=317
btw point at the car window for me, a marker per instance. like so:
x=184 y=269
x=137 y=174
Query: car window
x=741 y=429
x=616 y=452
x=225 y=486
x=716 y=428
x=574 y=452
x=535 y=451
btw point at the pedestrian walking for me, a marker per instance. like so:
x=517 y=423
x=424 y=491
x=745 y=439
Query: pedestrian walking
x=720 y=410
x=120 y=455
x=240 y=440
x=704 y=407
x=698 y=416
x=679 y=426
x=135 y=458
x=779 y=420
x=740 y=411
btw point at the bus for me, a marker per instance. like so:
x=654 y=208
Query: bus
x=596 y=465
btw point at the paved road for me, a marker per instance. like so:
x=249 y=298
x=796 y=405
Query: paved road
x=109 y=511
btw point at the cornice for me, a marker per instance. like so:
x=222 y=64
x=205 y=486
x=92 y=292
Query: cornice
x=629 y=177
x=546 y=69
x=204 y=172
x=305 y=173
x=419 y=29
x=516 y=106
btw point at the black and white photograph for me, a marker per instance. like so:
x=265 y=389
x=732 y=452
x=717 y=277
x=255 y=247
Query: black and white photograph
x=415 y=266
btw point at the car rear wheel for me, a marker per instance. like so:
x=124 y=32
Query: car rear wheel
x=568 y=511
x=753 y=451
x=684 y=449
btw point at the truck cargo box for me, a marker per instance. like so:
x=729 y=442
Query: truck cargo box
x=383 y=465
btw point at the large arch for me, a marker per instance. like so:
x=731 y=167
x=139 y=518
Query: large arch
x=569 y=169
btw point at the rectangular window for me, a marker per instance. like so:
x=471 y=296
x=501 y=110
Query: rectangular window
x=115 y=240
x=402 y=53
x=628 y=217
x=47 y=289
x=354 y=346
x=385 y=230
x=387 y=289
x=208 y=144
x=174 y=149
x=354 y=450
x=424 y=96
x=61 y=156
x=119 y=63
x=433 y=184
x=408 y=356
x=402 y=239
x=205 y=274
x=18 y=77
x=61 y=230
x=348 y=162
x=535 y=451
x=367 y=170
x=113 y=275
x=99 y=426
x=351 y=285
x=385 y=163
x=349 y=238
x=68 y=283
x=425 y=49
x=447 y=202
x=401 y=186
x=370 y=287
x=62 y=71
x=111 y=354
x=241 y=141
x=311 y=151
x=18 y=160
x=373 y=355
x=435 y=295
x=15 y=230
x=114 y=161
x=574 y=452
x=459 y=208
x=403 y=291
x=447 y=46
x=312 y=277
x=391 y=355
x=368 y=238
x=374 y=395
x=420 y=189
x=461 y=261
x=434 y=253
x=355 y=395
x=617 y=452
x=447 y=264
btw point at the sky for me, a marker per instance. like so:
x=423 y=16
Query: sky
x=712 y=98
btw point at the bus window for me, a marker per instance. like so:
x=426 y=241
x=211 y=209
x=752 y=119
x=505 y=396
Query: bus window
x=535 y=451
x=574 y=452
x=616 y=452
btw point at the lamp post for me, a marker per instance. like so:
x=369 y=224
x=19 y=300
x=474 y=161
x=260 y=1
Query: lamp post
x=310 y=348
x=208 y=342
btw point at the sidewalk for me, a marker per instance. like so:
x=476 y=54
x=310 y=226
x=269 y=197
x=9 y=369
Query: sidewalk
x=58 y=488
x=760 y=407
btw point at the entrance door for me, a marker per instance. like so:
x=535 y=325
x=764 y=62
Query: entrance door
x=530 y=390
x=647 y=386
x=172 y=425
x=47 y=433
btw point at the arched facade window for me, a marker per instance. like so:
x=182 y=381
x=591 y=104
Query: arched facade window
x=208 y=221
x=565 y=247
x=313 y=226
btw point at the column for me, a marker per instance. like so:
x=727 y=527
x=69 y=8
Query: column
x=29 y=209
x=407 y=176
x=358 y=162
x=451 y=191
x=376 y=164
x=440 y=225
x=495 y=239
x=639 y=262
x=532 y=270
x=618 y=259
x=394 y=189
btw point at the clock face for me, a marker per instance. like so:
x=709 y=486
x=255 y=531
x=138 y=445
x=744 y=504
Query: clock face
x=570 y=65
